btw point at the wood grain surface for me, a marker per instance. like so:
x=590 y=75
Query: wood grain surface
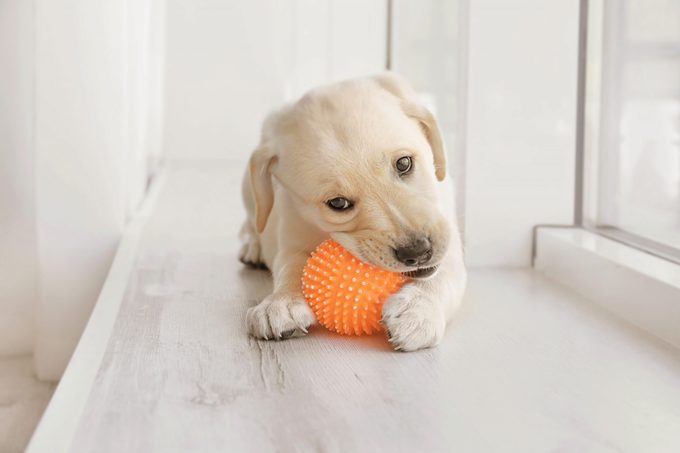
x=527 y=366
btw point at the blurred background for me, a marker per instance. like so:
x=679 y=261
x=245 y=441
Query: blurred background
x=95 y=96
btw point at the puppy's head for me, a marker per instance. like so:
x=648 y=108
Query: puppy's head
x=361 y=160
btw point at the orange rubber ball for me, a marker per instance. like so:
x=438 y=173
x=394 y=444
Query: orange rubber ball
x=345 y=293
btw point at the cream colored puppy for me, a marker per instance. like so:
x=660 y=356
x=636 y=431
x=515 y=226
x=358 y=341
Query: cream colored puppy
x=363 y=162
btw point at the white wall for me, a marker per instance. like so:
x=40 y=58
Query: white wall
x=230 y=63
x=333 y=40
x=154 y=82
x=18 y=274
x=521 y=114
x=222 y=71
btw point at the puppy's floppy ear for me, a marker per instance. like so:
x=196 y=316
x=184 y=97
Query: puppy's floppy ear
x=431 y=130
x=409 y=103
x=261 y=184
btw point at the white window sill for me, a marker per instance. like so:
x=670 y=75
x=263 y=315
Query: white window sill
x=165 y=363
x=639 y=287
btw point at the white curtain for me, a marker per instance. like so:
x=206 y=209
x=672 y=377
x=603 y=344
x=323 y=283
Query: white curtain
x=18 y=275
x=80 y=89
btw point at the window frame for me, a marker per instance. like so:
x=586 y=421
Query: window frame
x=630 y=276
x=593 y=15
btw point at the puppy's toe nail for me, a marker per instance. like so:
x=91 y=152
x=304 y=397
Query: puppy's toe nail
x=287 y=334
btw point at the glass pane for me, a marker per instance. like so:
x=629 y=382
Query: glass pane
x=639 y=183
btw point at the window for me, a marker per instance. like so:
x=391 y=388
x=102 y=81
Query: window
x=632 y=123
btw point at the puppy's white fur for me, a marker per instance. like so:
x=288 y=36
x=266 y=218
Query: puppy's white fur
x=343 y=140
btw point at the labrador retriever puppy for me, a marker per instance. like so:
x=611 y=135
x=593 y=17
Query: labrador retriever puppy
x=362 y=162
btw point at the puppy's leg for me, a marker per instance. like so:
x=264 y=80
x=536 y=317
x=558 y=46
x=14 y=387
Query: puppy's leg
x=416 y=316
x=251 y=250
x=284 y=312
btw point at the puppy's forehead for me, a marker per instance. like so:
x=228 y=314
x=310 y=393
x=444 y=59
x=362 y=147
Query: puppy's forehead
x=353 y=118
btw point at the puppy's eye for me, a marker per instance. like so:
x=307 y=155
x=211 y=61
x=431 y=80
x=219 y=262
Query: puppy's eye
x=404 y=165
x=339 y=204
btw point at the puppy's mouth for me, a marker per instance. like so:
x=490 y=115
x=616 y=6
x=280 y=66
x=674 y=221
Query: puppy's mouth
x=422 y=272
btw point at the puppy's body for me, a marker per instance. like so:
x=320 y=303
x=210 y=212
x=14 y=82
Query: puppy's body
x=348 y=144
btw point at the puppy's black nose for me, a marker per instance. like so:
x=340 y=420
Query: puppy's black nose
x=415 y=253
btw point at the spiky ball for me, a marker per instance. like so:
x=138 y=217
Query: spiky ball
x=345 y=293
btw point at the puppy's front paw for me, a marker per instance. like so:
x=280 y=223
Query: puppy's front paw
x=413 y=319
x=279 y=316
